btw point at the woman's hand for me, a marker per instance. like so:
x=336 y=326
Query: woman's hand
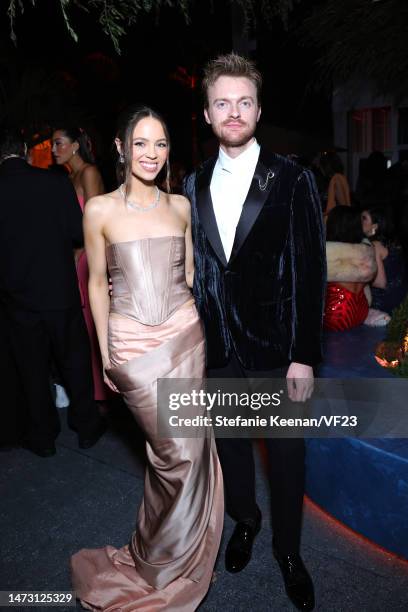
x=106 y=365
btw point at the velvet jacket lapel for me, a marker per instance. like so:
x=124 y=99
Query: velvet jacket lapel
x=259 y=190
x=205 y=209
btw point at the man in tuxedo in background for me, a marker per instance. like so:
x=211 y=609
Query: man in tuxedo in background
x=40 y=224
x=259 y=285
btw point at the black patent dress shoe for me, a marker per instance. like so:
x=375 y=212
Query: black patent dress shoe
x=40 y=451
x=298 y=583
x=239 y=548
x=90 y=440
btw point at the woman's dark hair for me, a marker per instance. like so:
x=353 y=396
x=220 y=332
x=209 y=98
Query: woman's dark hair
x=344 y=225
x=12 y=142
x=126 y=125
x=385 y=231
x=79 y=135
x=331 y=164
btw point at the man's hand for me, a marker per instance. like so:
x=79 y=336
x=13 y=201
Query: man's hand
x=300 y=382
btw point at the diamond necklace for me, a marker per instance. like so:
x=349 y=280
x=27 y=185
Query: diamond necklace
x=137 y=206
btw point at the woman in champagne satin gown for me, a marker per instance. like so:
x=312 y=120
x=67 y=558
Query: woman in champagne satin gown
x=150 y=330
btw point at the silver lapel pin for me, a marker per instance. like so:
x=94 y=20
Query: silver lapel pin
x=269 y=176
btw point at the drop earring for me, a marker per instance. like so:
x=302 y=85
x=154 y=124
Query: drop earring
x=121 y=159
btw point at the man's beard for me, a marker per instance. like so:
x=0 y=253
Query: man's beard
x=239 y=140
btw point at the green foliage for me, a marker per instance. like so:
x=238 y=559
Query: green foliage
x=266 y=9
x=397 y=330
x=14 y=7
x=361 y=38
x=115 y=16
x=402 y=369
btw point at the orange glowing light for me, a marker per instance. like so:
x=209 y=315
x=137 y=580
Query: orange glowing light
x=347 y=533
x=387 y=364
x=40 y=154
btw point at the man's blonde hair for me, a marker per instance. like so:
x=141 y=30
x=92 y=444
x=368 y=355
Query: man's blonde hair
x=233 y=65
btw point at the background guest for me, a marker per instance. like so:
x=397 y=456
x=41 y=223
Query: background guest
x=71 y=146
x=398 y=185
x=40 y=224
x=338 y=190
x=372 y=187
x=346 y=302
x=392 y=287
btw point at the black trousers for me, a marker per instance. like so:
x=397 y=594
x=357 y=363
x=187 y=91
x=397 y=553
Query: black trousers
x=12 y=411
x=36 y=339
x=286 y=471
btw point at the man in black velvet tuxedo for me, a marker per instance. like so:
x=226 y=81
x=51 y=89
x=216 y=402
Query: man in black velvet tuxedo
x=259 y=284
x=40 y=224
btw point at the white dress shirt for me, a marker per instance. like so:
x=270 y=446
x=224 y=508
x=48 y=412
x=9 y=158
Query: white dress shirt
x=230 y=184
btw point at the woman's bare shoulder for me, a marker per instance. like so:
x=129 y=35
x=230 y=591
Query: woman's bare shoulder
x=102 y=204
x=88 y=173
x=89 y=169
x=180 y=203
x=179 y=200
x=181 y=206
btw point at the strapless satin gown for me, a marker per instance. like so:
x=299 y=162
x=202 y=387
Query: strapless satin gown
x=155 y=332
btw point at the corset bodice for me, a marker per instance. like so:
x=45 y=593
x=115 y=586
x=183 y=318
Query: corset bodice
x=148 y=278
